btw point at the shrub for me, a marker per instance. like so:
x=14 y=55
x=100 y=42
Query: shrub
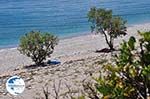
x=102 y=21
x=129 y=78
x=37 y=45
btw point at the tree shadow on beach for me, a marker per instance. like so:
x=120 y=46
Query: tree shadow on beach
x=44 y=64
x=105 y=50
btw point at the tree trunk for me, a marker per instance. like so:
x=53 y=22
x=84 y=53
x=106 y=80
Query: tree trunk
x=109 y=43
x=111 y=47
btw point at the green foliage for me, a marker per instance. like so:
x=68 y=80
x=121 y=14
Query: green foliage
x=129 y=78
x=126 y=50
x=37 y=45
x=103 y=21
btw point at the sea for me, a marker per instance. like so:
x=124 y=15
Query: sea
x=64 y=18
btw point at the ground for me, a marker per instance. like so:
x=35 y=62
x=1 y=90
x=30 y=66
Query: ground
x=68 y=76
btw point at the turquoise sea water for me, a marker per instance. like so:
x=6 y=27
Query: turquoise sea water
x=64 y=18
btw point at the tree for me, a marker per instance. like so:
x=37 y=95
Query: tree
x=37 y=45
x=129 y=77
x=102 y=21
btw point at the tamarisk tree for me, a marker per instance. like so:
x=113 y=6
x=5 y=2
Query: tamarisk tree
x=37 y=45
x=104 y=22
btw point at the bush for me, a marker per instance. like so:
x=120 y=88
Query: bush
x=104 y=22
x=37 y=45
x=129 y=78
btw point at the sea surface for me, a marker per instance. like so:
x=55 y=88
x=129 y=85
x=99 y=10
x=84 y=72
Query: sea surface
x=64 y=18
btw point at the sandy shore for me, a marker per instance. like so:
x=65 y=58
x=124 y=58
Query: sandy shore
x=78 y=61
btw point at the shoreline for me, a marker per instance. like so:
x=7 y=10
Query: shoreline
x=82 y=34
x=72 y=48
x=64 y=38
